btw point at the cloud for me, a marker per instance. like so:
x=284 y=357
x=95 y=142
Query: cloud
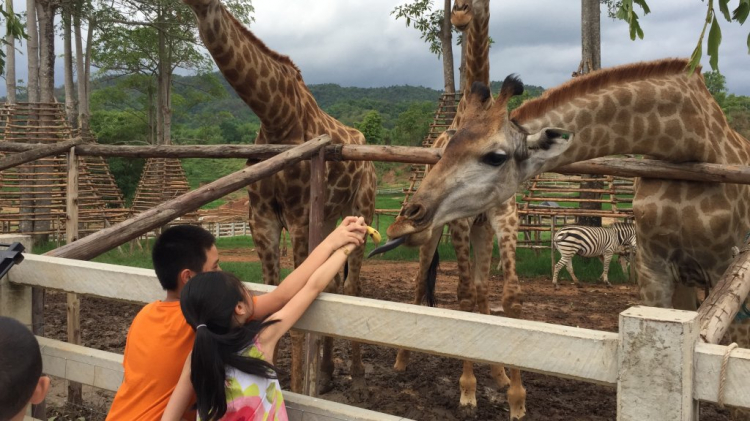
x=359 y=43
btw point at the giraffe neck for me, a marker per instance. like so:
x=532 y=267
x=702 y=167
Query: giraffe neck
x=477 y=40
x=268 y=82
x=671 y=117
x=477 y=67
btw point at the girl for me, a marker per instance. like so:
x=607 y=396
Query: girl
x=230 y=367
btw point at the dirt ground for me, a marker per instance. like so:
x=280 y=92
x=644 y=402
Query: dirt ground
x=428 y=390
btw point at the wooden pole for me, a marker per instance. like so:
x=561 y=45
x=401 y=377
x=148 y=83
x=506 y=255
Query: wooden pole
x=623 y=167
x=109 y=238
x=317 y=204
x=723 y=303
x=75 y=392
x=37 y=152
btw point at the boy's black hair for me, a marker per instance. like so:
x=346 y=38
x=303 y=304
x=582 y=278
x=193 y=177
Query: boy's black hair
x=20 y=367
x=178 y=248
x=208 y=300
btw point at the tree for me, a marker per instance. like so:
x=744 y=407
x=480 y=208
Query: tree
x=413 y=124
x=591 y=60
x=153 y=39
x=436 y=29
x=372 y=127
x=626 y=12
x=13 y=29
x=717 y=85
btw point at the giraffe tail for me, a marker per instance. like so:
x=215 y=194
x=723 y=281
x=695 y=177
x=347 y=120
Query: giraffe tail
x=431 y=280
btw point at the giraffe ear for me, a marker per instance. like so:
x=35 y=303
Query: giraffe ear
x=542 y=147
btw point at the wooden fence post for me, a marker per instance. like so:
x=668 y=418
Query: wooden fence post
x=656 y=364
x=75 y=393
x=317 y=203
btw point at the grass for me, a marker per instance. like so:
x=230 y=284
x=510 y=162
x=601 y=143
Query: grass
x=530 y=263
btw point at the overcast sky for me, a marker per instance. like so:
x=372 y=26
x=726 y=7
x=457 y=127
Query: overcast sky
x=359 y=43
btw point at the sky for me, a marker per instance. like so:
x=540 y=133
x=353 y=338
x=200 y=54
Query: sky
x=359 y=43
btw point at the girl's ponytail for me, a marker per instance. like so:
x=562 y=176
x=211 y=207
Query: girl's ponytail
x=208 y=301
x=207 y=373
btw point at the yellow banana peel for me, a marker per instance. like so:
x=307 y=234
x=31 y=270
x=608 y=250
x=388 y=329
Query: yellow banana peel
x=376 y=237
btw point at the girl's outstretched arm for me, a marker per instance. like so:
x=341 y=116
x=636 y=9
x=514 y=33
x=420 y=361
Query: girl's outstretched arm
x=180 y=399
x=350 y=231
x=297 y=306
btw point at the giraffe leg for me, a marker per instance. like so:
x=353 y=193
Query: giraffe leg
x=467 y=298
x=505 y=220
x=481 y=241
x=325 y=379
x=426 y=252
x=359 y=391
x=605 y=263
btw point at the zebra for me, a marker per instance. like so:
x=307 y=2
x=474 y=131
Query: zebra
x=591 y=242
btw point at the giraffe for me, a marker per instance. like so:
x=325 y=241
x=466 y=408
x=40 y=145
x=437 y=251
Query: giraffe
x=472 y=17
x=685 y=230
x=272 y=85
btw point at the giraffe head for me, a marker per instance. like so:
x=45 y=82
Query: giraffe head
x=464 y=11
x=486 y=160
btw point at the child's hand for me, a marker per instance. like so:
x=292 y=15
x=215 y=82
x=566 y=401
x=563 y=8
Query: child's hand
x=352 y=230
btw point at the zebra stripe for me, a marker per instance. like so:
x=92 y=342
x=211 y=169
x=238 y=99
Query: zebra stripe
x=591 y=242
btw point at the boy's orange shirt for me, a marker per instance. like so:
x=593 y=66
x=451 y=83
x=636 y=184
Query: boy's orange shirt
x=159 y=341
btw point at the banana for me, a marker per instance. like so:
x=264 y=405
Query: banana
x=376 y=237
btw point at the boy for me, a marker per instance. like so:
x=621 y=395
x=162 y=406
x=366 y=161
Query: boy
x=21 y=380
x=159 y=339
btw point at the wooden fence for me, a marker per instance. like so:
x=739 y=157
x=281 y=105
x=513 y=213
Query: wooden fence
x=657 y=362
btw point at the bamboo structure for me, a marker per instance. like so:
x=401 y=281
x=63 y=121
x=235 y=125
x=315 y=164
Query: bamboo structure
x=162 y=180
x=444 y=115
x=33 y=195
x=553 y=200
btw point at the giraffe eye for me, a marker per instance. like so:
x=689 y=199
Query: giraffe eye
x=495 y=159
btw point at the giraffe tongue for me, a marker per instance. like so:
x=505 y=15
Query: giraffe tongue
x=390 y=245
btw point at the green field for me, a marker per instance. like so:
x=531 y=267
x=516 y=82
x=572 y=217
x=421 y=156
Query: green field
x=529 y=263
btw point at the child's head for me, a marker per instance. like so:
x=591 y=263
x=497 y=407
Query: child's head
x=218 y=300
x=219 y=308
x=21 y=380
x=181 y=252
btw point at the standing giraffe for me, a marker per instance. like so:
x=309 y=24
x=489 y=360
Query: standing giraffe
x=271 y=84
x=476 y=232
x=685 y=230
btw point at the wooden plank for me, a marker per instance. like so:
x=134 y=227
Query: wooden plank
x=581 y=354
x=708 y=358
x=37 y=152
x=120 y=233
x=723 y=302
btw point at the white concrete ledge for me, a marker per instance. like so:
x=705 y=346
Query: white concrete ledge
x=104 y=370
x=562 y=351
x=708 y=360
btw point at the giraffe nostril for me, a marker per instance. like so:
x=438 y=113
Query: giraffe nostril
x=414 y=211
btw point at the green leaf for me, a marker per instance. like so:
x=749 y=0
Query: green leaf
x=639 y=30
x=748 y=43
x=695 y=58
x=643 y=4
x=741 y=12
x=714 y=40
x=724 y=7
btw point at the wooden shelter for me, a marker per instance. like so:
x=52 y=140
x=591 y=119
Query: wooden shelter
x=33 y=195
x=162 y=180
